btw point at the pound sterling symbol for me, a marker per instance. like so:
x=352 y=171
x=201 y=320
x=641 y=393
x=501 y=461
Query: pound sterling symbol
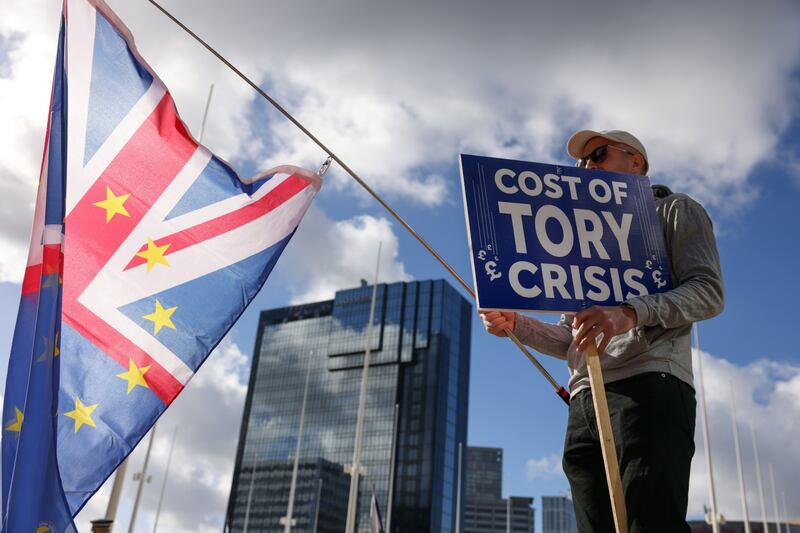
x=491 y=272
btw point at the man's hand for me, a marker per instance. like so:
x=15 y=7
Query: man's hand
x=610 y=321
x=496 y=322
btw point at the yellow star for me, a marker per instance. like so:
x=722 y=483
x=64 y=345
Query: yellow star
x=135 y=375
x=161 y=317
x=82 y=414
x=113 y=204
x=154 y=254
x=46 y=355
x=16 y=425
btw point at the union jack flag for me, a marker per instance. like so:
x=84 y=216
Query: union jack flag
x=145 y=250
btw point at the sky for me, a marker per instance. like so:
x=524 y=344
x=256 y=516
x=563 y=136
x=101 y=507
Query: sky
x=398 y=90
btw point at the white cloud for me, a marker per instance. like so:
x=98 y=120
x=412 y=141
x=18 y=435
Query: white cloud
x=208 y=414
x=544 y=467
x=709 y=103
x=399 y=90
x=27 y=54
x=327 y=255
x=767 y=395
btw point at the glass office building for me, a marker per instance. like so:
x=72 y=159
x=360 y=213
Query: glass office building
x=558 y=515
x=419 y=362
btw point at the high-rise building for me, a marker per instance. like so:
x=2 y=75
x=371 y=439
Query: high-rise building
x=737 y=526
x=485 y=510
x=484 y=473
x=419 y=361
x=558 y=515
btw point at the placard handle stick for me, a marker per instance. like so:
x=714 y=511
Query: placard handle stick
x=610 y=460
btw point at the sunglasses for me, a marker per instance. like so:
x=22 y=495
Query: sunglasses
x=599 y=154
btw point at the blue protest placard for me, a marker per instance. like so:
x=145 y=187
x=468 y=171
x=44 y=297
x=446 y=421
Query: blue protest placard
x=550 y=238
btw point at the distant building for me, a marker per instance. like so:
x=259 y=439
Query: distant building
x=484 y=473
x=485 y=511
x=558 y=515
x=734 y=526
x=420 y=348
x=325 y=482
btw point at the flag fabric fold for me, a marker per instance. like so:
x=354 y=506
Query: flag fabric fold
x=145 y=250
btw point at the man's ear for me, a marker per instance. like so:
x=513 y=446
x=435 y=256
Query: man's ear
x=637 y=164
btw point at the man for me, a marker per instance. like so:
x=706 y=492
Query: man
x=646 y=358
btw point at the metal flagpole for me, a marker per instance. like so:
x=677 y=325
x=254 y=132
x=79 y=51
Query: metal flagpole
x=774 y=499
x=116 y=490
x=561 y=391
x=250 y=495
x=166 y=476
x=142 y=480
x=205 y=113
x=355 y=468
x=706 y=441
x=458 y=491
x=390 y=498
x=508 y=514
x=758 y=477
x=287 y=520
x=785 y=515
x=319 y=503
x=742 y=491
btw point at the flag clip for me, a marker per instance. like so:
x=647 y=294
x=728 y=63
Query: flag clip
x=325 y=166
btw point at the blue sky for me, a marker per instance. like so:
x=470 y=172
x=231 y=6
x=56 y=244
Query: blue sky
x=399 y=92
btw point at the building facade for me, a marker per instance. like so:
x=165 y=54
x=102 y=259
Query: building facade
x=558 y=515
x=419 y=362
x=737 y=526
x=485 y=510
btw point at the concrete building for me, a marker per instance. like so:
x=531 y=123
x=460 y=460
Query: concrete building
x=485 y=510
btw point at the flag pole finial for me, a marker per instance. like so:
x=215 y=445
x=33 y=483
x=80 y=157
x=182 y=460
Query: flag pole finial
x=325 y=166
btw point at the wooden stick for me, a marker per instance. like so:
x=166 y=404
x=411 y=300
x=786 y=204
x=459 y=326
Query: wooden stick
x=610 y=460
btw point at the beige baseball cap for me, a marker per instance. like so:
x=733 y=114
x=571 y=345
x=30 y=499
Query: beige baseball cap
x=579 y=139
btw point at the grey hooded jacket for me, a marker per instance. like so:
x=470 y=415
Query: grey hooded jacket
x=661 y=340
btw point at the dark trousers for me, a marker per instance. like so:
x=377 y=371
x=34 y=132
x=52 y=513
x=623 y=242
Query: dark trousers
x=652 y=418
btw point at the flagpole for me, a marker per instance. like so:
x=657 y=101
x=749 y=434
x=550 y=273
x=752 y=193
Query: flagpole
x=142 y=480
x=205 y=114
x=706 y=441
x=287 y=520
x=116 y=491
x=508 y=514
x=458 y=491
x=390 y=498
x=355 y=467
x=250 y=495
x=560 y=391
x=785 y=514
x=774 y=500
x=742 y=491
x=758 y=477
x=166 y=476
x=319 y=502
